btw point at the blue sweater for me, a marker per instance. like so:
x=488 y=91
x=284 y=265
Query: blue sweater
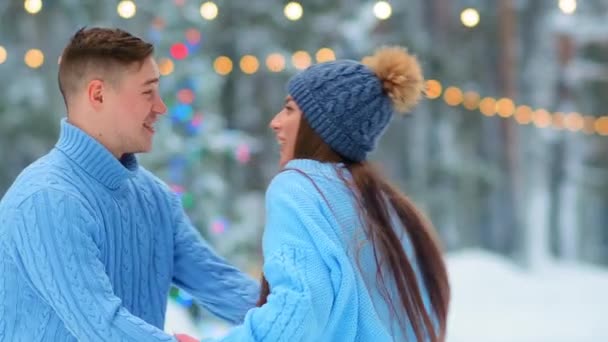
x=89 y=246
x=319 y=292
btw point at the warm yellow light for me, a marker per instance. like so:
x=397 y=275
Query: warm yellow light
x=165 y=66
x=433 y=89
x=293 y=10
x=469 y=17
x=589 y=124
x=32 y=6
x=541 y=118
x=505 y=107
x=209 y=10
x=34 y=58
x=523 y=115
x=3 y=54
x=126 y=9
x=222 y=65
x=567 y=6
x=301 y=60
x=471 y=100
x=558 y=120
x=275 y=62
x=452 y=96
x=382 y=10
x=249 y=64
x=487 y=106
x=574 y=122
x=325 y=55
x=601 y=125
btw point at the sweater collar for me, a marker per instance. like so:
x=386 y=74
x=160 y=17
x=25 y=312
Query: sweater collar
x=314 y=166
x=94 y=158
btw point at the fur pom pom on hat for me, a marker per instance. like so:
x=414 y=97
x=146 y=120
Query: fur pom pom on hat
x=349 y=104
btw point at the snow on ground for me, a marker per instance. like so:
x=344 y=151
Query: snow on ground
x=493 y=300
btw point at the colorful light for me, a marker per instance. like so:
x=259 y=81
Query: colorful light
x=34 y=58
x=179 y=51
x=301 y=60
x=567 y=6
x=184 y=299
x=126 y=9
x=188 y=200
x=469 y=17
x=589 y=124
x=185 y=96
x=293 y=11
x=219 y=226
x=249 y=64
x=197 y=120
x=243 y=153
x=32 y=6
x=178 y=189
x=193 y=36
x=433 y=89
x=382 y=10
x=541 y=118
x=574 y=122
x=209 y=10
x=523 y=115
x=222 y=65
x=165 y=66
x=3 y=54
x=601 y=125
x=182 y=113
x=505 y=107
x=471 y=100
x=453 y=96
x=325 y=55
x=487 y=106
x=275 y=62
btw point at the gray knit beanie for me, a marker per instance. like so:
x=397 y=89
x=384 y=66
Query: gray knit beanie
x=349 y=104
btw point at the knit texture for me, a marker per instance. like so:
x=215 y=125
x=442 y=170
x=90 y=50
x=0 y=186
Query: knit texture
x=89 y=246
x=343 y=101
x=319 y=265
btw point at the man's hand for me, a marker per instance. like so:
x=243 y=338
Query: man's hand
x=185 y=338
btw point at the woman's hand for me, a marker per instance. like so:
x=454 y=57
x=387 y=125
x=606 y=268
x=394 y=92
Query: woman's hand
x=185 y=338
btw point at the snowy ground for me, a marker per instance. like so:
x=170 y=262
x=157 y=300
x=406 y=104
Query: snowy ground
x=495 y=301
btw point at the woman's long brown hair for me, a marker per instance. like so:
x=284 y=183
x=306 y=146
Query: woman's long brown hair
x=375 y=200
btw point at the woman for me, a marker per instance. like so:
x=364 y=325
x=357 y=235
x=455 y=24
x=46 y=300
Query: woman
x=347 y=256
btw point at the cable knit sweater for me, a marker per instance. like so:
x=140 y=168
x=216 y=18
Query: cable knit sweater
x=89 y=246
x=320 y=266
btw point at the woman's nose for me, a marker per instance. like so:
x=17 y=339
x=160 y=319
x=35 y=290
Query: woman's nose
x=274 y=123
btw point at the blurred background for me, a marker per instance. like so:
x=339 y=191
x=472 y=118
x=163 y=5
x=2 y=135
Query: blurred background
x=507 y=154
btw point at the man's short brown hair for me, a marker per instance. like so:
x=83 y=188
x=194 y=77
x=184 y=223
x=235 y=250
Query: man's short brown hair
x=98 y=52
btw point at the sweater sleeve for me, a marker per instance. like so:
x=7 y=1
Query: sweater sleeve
x=52 y=242
x=301 y=296
x=218 y=286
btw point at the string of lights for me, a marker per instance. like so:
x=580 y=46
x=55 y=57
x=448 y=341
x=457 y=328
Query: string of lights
x=277 y=62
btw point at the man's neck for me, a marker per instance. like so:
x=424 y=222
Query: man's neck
x=93 y=131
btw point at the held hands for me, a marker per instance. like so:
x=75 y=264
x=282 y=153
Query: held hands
x=185 y=338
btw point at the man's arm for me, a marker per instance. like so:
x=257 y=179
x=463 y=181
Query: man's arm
x=51 y=242
x=220 y=287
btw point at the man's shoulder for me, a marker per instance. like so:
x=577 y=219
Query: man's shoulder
x=48 y=173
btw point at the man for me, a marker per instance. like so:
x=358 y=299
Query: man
x=90 y=241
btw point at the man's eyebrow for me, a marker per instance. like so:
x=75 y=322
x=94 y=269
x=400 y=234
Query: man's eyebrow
x=150 y=81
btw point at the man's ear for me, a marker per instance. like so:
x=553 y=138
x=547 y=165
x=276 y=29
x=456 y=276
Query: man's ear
x=95 y=93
